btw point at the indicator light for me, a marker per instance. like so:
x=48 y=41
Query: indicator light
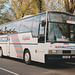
x=50 y=51
x=35 y=51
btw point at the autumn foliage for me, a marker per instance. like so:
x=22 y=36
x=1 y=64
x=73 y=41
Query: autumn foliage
x=20 y=8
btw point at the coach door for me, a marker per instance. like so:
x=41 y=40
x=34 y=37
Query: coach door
x=41 y=39
x=41 y=31
x=41 y=42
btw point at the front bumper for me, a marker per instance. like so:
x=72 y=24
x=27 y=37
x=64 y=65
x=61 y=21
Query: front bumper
x=59 y=57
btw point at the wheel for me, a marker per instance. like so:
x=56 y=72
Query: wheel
x=27 y=57
x=1 y=53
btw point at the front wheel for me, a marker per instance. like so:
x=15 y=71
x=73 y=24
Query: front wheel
x=1 y=53
x=27 y=57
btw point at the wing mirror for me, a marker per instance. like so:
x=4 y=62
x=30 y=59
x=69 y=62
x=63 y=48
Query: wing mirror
x=43 y=23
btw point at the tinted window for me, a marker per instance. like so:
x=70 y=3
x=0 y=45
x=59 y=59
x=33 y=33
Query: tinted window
x=16 y=27
x=60 y=17
x=36 y=22
x=43 y=18
x=56 y=17
x=26 y=25
x=42 y=29
x=2 y=28
x=65 y=18
x=8 y=28
x=58 y=32
x=72 y=18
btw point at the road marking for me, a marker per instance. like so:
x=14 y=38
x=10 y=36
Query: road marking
x=9 y=71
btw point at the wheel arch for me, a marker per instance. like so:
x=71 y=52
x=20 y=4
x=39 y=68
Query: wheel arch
x=1 y=51
x=26 y=49
x=0 y=48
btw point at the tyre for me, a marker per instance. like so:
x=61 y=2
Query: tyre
x=27 y=57
x=1 y=53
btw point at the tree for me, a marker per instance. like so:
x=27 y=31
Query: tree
x=27 y=7
x=69 y=6
x=55 y=5
x=41 y=5
x=5 y=13
x=61 y=5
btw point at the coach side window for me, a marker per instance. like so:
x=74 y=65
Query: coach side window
x=8 y=28
x=16 y=27
x=26 y=25
x=35 y=27
x=2 y=29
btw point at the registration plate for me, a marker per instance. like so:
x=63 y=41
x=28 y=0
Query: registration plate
x=65 y=57
x=73 y=56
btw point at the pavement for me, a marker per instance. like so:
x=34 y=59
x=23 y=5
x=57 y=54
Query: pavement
x=11 y=66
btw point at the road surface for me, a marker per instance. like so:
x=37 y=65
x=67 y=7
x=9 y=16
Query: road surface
x=10 y=66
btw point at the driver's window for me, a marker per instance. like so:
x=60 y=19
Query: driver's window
x=41 y=36
x=41 y=31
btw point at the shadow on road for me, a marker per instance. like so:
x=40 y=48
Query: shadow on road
x=57 y=65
